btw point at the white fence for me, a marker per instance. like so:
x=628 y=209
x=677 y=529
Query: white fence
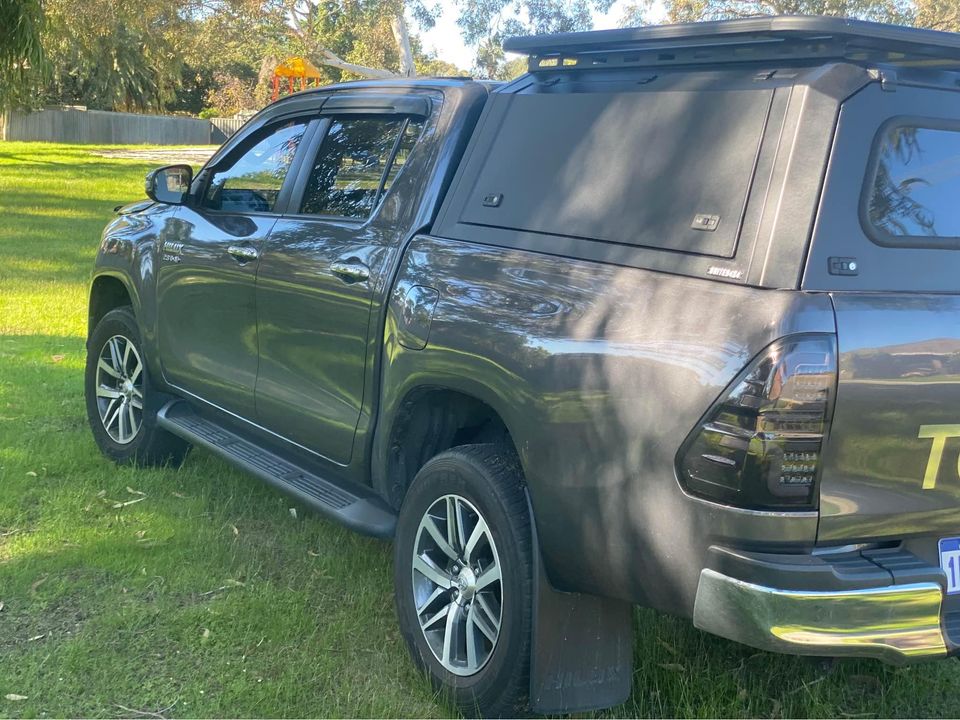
x=72 y=125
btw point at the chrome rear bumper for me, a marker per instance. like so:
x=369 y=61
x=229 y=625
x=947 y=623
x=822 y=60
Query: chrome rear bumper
x=896 y=623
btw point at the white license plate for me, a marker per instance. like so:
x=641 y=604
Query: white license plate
x=950 y=562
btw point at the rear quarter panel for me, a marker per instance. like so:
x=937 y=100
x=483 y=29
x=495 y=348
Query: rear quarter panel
x=599 y=373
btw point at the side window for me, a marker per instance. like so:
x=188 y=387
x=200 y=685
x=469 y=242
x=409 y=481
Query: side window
x=914 y=187
x=411 y=133
x=252 y=183
x=355 y=164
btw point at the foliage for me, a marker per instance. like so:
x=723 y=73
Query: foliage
x=230 y=95
x=936 y=14
x=486 y=23
x=21 y=54
x=186 y=55
x=112 y=54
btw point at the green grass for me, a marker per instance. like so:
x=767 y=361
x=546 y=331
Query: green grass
x=208 y=597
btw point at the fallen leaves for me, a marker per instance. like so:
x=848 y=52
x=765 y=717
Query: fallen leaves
x=37 y=584
x=229 y=584
x=58 y=358
x=15 y=698
x=117 y=505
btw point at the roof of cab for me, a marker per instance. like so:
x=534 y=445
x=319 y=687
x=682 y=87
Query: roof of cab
x=781 y=37
x=397 y=83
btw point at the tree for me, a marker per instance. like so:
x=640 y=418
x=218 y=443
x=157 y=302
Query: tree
x=362 y=38
x=112 y=54
x=486 y=23
x=21 y=54
x=937 y=14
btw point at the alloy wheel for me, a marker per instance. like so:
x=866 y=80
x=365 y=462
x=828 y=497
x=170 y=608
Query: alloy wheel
x=457 y=585
x=120 y=389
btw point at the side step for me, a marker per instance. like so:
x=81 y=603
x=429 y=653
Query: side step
x=363 y=512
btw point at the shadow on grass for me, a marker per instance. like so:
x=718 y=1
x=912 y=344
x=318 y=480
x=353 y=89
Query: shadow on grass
x=141 y=587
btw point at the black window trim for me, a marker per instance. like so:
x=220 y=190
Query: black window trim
x=299 y=188
x=311 y=123
x=877 y=235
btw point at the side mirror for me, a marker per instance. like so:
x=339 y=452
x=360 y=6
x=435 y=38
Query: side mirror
x=170 y=184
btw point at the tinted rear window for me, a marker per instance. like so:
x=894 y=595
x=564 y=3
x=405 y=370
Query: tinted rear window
x=914 y=187
x=668 y=170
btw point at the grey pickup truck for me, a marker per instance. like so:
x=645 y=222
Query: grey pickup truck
x=673 y=320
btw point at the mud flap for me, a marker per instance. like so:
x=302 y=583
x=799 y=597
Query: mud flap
x=582 y=649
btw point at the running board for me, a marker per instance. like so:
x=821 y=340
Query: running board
x=363 y=512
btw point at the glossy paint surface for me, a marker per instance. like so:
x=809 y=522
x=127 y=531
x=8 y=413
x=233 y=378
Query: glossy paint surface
x=891 y=464
x=319 y=336
x=317 y=345
x=313 y=333
x=207 y=320
x=600 y=372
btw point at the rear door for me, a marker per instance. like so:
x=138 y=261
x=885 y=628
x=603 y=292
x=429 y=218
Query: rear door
x=887 y=246
x=323 y=264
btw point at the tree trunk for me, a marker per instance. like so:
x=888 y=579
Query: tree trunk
x=402 y=37
x=328 y=58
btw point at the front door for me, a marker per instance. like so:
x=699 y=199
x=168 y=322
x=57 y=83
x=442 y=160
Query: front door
x=317 y=278
x=206 y=284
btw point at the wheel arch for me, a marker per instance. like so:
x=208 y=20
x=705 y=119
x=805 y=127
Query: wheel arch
x=108 y=291
x=427 y=420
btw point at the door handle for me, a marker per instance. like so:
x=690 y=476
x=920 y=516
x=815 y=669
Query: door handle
x=243 y=253
x=350 y=271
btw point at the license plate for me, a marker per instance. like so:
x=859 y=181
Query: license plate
x=950 y=562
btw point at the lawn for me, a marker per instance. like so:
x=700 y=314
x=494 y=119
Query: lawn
x=199 y=592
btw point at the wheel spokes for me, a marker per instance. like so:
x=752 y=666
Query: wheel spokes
x=108 y=369
x=119 y=396
x=438 y=577
x=455 y=558
x=444 y=612
x=452 y=523
x=490 y=575
x=430 y=525
x=136 y=370
x=105 y=392
x=485 y=619
x=449 y=632
x=479 y=532
x=115 y=361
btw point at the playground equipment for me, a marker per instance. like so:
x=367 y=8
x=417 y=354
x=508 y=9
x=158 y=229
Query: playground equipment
x=293 y=69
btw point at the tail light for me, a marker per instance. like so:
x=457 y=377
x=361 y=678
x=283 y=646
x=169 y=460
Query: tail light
x=760 y=444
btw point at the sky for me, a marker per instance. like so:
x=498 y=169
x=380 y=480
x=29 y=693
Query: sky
x=445 y=38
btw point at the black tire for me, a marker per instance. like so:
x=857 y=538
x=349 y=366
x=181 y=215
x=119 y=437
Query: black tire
x=489 y=478
x=149 y=445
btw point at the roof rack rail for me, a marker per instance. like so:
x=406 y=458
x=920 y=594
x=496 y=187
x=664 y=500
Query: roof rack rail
x=783 y=38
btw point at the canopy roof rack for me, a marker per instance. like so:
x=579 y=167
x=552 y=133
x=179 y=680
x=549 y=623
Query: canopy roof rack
x=781 y=38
